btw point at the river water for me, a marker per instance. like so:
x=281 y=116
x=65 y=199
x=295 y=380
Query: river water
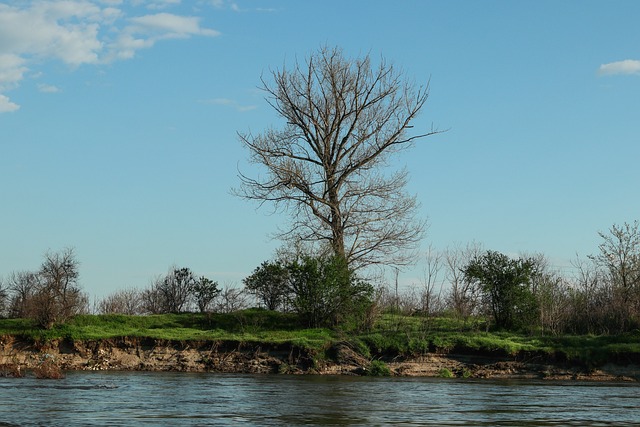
x=181 y=399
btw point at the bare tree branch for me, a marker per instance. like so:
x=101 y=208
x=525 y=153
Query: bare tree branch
x=344 y=119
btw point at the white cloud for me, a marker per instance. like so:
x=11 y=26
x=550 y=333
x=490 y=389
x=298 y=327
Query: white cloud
x=234 y=7
x=12 y=70
x=144 y=31
x=169 y=26
x=63 y=30
x=162 y=4
x=628 y=66
x=110 y=15
x=155 y=4
x=6 y=106
x=77 y=32
x=48 y=88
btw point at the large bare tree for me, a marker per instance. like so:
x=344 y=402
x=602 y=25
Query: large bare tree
x=345 y=119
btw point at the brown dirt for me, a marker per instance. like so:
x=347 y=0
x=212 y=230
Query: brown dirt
x=141 y=354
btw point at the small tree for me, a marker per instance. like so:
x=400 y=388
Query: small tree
x=430 y=298
x=231 y=299
x=205 y=291
x=153 y=301
x=620 y=257
x=126 y=301
x=4 y=299
x=463 y=296
x=171 y=293
x=177 y=288
x=325 y=292
x=58 y=296
x=178 y=291
x=269 y=284
x=585 y=298
x=22 y=286
x=551 y=292
x=505 y=285
x=552 y=295
x=619 y=263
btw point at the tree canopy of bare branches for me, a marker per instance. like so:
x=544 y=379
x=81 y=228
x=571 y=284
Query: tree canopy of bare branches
x=345 y=119
x=58 y=296
x=620 y=255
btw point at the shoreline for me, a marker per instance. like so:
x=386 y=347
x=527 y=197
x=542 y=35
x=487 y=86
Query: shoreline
x=146 y=354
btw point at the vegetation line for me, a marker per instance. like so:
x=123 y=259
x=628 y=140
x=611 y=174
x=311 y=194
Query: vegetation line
x=395 y=335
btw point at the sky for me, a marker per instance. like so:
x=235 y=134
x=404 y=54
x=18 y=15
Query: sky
x=119 y=122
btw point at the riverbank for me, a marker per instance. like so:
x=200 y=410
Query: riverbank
x=261 y=341
x=149 y=354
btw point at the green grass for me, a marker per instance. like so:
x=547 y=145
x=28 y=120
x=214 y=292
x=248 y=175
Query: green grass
x=245 y=326
x=393 y=335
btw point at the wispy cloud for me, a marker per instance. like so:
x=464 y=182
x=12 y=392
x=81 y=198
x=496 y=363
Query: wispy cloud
x=235 y=7
x=79 y=32
x=229 y=103
x=170 y=26
x=12 y=70
x=628 y=66
x=48 y=88
x=143 y=32
x=162 y=4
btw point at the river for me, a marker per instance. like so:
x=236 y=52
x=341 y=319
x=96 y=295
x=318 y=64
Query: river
x=185 y=399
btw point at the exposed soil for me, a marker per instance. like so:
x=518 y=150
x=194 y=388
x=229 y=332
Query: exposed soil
x=143 y=354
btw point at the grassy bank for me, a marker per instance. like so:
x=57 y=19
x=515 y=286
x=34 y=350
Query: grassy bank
x=248 y=325
x=393 y=335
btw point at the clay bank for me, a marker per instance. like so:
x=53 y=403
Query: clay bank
x=18 y=355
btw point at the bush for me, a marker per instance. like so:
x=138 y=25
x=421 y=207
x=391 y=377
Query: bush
x=269 y=284
x=378 y=368
x=445 y=373
x=506 y=287
x=126 y=301
x=325 y=292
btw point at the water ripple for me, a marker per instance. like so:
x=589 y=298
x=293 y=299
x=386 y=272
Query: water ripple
x=138 y=398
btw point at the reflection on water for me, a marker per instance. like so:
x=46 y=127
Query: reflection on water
x=137 y=398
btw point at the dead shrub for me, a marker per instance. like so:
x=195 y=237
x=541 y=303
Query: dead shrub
x=48 y=369
x=11 y=370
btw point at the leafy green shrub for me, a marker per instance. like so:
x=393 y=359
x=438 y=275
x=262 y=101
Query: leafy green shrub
x=418 y=346
x=443 y=342
x=376 y=342
x=325 y=292
x=269 y=284
x=445 y=373
x=465 y=373
x=378 y=368
x=506 y=286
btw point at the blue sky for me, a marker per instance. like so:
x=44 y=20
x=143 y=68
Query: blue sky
x=118 y=125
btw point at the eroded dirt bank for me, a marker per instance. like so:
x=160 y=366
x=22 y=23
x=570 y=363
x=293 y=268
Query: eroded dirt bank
x=143 y=354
